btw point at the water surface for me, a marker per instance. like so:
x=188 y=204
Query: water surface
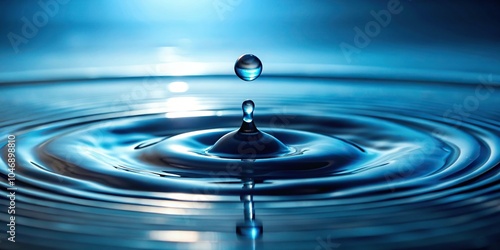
x=394 y=163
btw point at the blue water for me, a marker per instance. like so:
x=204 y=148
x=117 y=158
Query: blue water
x=374 y=163
x=373 y=134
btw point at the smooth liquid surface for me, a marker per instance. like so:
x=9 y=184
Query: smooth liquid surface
x=397 y=159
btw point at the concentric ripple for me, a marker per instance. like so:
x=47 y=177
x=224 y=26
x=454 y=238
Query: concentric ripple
x=375 y=164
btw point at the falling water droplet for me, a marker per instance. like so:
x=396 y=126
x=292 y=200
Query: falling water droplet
x=248 y=67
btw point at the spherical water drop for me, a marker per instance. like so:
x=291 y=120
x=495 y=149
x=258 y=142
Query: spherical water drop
x=248 y=67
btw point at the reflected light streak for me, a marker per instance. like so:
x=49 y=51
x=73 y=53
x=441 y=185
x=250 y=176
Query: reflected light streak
x=174 y=236
x=156 y=210
x=182 y=68
x=184 y=103
x=187 y=106
x=178 y=87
